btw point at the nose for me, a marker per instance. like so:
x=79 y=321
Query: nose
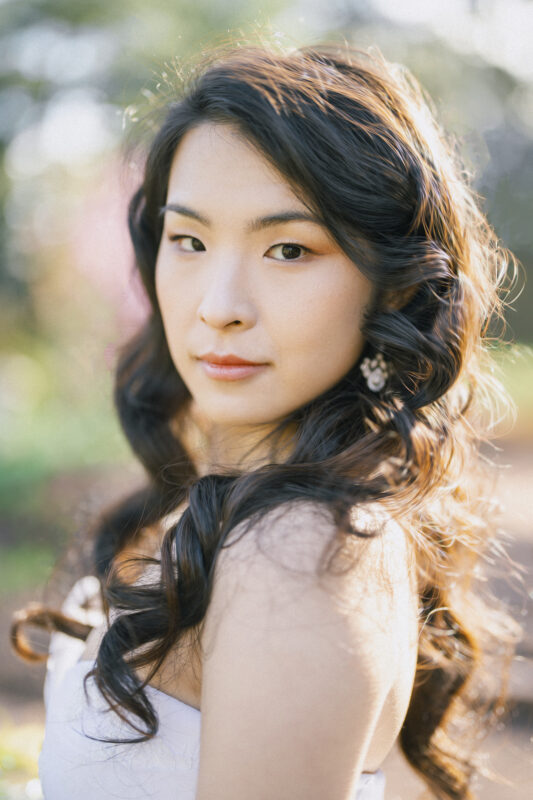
x=226 y=301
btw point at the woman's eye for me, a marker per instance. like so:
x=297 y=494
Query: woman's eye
x=188 y=243
x=288 y=251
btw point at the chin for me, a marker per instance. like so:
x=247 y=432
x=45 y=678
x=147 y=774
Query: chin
x=240 y=420
x=239 y=415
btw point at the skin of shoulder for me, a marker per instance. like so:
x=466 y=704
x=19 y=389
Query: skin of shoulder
x=297 y=666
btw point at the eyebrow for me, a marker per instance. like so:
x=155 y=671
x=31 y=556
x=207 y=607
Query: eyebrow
x=255 y=225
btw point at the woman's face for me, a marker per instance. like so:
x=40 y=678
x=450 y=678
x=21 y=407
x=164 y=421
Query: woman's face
x=244 y=272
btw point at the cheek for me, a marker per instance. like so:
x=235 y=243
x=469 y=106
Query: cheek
x=161 y=288
x=173 y=308
x=323 y=326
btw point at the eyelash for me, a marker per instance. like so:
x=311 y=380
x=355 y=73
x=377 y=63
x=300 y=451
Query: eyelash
x=305 y=250
x=179 y=236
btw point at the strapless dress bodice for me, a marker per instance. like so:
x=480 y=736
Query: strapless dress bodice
x=75 y=762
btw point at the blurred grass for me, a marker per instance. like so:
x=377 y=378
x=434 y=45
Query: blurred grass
x=514 y=368
x=518 y=377
x=19 y=751
x=59 y=434
x=66 y=441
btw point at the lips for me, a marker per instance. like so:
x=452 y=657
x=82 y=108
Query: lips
x=229 y=367
x=229 y=360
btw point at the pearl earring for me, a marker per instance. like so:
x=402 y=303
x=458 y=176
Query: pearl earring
x=376 y=371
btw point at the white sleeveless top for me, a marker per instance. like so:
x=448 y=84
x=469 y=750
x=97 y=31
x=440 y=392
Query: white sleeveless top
x=74 y=765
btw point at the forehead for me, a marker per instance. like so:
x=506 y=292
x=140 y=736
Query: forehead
x=215 y=162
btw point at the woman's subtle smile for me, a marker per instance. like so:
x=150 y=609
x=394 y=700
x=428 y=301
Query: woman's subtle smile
x=229 y=367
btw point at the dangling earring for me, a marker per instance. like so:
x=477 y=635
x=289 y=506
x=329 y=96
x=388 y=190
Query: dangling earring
x=376 y=371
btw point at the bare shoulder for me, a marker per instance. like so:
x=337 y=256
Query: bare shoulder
x=298 y=534
x=297 y=658
x=297 y=550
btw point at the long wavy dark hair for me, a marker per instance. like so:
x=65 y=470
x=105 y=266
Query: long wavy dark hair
x=357 y=138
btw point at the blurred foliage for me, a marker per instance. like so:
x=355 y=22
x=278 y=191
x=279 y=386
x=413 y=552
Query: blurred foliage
x=72 y=75
x=23 y=566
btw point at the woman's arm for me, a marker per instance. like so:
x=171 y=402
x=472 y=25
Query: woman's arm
x=295 y=672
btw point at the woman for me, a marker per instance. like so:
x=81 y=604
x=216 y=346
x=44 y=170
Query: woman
x=305 y=397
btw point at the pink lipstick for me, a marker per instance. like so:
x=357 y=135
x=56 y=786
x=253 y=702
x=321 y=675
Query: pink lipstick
x=229 y=367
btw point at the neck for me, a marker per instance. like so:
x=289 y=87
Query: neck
x=213 y=447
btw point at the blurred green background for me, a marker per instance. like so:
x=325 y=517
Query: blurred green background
x=74 y=79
